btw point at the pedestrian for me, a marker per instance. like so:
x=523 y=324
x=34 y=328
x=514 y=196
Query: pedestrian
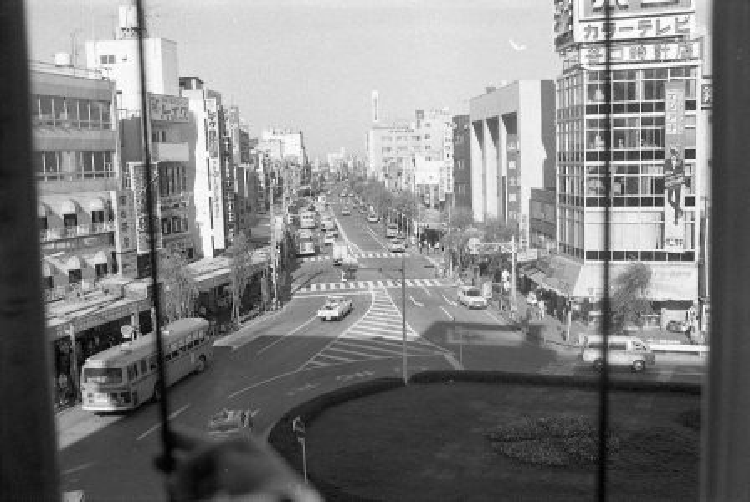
x=541 y=309
x=62 y=388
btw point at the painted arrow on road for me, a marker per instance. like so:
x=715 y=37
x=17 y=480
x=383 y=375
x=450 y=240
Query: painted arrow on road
x=415 y=302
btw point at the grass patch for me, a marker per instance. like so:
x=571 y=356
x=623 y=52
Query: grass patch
x=430 y=442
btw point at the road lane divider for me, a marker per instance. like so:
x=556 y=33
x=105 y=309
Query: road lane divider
x=449 y=302
x=415 y=302
x=295 y=330
x=172 y=416
x=450 y=316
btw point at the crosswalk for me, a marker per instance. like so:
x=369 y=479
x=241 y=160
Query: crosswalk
x=377 y=335
x=358 y=256
x=366 y=285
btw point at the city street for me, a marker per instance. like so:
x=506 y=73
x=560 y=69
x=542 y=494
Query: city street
x=289 y=356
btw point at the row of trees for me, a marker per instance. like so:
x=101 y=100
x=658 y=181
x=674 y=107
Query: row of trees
x=180 y=290
x=629 y=303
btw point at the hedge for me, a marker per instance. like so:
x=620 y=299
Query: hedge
x=572 y=381
x=284 y=440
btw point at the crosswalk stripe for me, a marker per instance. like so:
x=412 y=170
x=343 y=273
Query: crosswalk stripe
x=345 y=351
x=328 y=356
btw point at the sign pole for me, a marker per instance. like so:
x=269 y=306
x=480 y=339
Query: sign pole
x=513 y=273
x=304 y=458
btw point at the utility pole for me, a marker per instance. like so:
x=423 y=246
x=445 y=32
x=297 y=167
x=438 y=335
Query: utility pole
x=273 y=239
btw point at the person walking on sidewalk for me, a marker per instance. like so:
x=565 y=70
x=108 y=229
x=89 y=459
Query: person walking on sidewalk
x=540 y=304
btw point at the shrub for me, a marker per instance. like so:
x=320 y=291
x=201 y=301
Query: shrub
x=690 y=419
x=659 y=450
x=553 y=441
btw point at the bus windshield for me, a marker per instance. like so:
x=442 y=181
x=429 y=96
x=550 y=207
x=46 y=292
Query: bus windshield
x=102 y=375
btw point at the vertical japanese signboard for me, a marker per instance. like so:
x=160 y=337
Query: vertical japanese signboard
x=140 y=203
x=674 y=168
x=214 y=168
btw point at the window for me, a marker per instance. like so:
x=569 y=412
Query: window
x=100 y=269
x=75 y=276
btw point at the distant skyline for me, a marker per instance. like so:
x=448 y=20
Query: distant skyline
x=313 y=64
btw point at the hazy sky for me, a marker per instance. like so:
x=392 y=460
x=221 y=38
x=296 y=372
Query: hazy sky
x=312 y=64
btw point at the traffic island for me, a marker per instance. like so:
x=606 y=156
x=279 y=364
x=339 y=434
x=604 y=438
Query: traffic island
x=496 y=436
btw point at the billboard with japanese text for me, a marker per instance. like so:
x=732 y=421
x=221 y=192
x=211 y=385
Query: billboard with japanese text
x=634 y=28
x=138 y=185
x=649 y=52
x=168 y=108
x=596 y=9
x=674 y=168
x=214 y=169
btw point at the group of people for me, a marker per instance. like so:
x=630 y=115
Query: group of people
x=543 y=302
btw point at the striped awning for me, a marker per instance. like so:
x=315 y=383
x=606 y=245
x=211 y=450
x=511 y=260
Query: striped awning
x=96 y=204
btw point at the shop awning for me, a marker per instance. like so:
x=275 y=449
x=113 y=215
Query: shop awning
x=67 y=207
x=668 y=281
x=99 y=258
x=96 y=204
x=73 y=263
x=41 y=210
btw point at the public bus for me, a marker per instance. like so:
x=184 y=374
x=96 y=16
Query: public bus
x=305 y=246
x=308 y=219
x=123 y=377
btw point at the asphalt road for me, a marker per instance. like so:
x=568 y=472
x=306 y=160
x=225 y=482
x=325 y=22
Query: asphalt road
x=290 y=356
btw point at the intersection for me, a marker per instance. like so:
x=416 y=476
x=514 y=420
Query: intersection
x=290 y=356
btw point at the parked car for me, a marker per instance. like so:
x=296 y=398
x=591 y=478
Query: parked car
x=622 y=350
x=471 y=297
x=678 y=326
x=391 y=231
x=335 y=308
x=372 y=218
x=396 y=246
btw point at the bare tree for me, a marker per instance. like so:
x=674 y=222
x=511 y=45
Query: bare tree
x=242 y=271
x=629 y=303
x=179 y=288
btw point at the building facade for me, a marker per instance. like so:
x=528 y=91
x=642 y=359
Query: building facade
x=649 y=146
x=75 y=157
x=512 y=150
x=167 y=133
x=461 y=162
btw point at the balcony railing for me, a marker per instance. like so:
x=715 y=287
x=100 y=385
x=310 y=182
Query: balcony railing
x=52 y=234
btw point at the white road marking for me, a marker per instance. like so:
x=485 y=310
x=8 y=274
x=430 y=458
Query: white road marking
x=452 y=318
x=415 y=302
x=157 y=426
x=288 y=334
x=264 y=382
x=450 y=302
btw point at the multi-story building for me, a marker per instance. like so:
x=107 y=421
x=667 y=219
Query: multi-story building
x=286 y=151
x=646 y=154
x=166 y=123
x=461 y=162
x=512 y=150
x=75 y=160
x=393 y=151
x=205 y=146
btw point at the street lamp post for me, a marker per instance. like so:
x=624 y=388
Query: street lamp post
x=403 y=317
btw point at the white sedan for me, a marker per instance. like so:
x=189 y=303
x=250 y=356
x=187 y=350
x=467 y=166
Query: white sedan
x=471 y=297
x=335 y=308
x=373 y=218
x=396 y=246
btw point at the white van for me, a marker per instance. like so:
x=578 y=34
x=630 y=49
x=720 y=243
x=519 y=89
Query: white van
x=623 y=350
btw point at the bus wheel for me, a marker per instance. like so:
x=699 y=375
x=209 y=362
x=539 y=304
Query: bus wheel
x=201 y=366
x=639 y=366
